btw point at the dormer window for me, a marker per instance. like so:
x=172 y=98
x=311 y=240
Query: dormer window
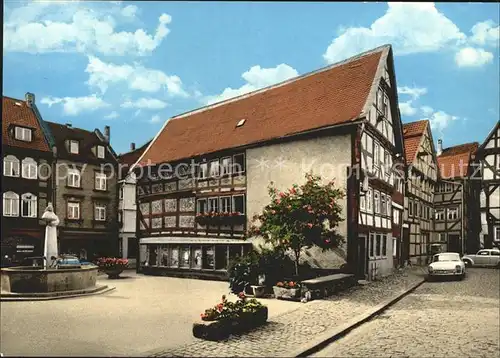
x=74 y=147
x=23 y=134
x=100 y=151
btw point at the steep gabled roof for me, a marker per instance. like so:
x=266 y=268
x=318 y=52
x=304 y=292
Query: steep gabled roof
x=17 y=112
x=454 y=161
x=412 y=134
x=489 y=136
x=128 y=159
x=330 y=96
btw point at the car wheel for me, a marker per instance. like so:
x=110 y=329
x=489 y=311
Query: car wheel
x=467 y=263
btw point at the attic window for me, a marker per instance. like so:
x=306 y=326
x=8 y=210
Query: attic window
x=18 y=104
x=23 y=134
x=74 y=146
x=241 y=122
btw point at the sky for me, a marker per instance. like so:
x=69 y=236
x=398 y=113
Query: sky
x=132 y=65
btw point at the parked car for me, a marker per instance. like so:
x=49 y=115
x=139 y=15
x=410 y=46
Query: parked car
x=484 y=257
x=446 y=264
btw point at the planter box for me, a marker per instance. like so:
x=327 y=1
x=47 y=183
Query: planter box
x=219 y=330
x=258 y=291
x=113 y=272
x=286 y=293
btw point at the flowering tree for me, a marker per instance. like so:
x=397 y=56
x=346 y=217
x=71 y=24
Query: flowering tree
x=302 y=217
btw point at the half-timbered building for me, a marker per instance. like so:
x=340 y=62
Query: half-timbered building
x=341 y=122
x=26 y=180
x=419 y=200
x=456 y=199
x=488 y=157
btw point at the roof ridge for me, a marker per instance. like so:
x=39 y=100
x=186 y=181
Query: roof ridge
x=15 y=99
x=77 y=128
x=285 y=82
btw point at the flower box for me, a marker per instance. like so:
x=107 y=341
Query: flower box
x=112 y=266
x=222 y=329
x=287 y=290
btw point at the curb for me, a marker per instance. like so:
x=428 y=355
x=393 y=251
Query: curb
x=330 y=336
x=101 y=290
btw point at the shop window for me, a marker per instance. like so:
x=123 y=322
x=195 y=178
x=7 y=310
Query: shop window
x=153 y=253
x=174 y=256
x=197 y=257
x=163 y=255
x=220 y=257
x=208 y=257
x=185 y=261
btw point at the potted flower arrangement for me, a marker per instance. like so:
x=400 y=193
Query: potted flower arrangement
x=227 y=317
x=112 y=266
x=287 y=290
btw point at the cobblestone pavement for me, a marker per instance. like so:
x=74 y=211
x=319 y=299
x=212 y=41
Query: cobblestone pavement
x=285 y=333
x=439 y=319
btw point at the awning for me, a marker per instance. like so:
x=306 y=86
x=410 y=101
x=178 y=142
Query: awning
x=192 y=240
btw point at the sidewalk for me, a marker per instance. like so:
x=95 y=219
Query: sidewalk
x=285 y=334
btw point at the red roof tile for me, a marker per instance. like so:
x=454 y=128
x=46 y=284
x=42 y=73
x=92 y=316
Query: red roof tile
x=412 y=133
x=454 y=161
x=16 y=112
x=334 y=95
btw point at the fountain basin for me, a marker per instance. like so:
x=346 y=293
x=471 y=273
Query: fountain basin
x=28 y=279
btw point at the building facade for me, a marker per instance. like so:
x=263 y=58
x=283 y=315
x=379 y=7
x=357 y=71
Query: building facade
x=456 y=199
x=341 y=122
x=127 y=209
x=419 y=201
x=27 y=179
x=488 y=159
x=86 y=199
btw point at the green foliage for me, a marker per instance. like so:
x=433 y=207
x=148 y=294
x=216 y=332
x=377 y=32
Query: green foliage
x=231 y=310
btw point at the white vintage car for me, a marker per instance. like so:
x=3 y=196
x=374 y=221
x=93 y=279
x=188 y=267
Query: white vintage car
x=446 y=264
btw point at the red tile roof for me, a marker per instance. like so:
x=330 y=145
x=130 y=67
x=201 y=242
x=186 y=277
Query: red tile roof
x=16 y=112
x=412 y=133
x=454 y=161
x=330 y=96
x=128 y=159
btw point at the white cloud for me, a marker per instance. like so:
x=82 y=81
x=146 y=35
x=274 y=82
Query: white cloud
x=73 y=106
x=440 y=120
x=407 y=109
x=256 y=77
x=145 y=103
x=426 y=110
x=155 y=119
x=102 y=74
x=485 y=33
x=414 y=92
x=112 y=115
x=129 y=11
x=86 y=31
x=401 y=26
x=473 y=57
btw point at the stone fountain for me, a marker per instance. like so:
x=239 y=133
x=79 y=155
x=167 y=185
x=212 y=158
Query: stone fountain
x=49 y=281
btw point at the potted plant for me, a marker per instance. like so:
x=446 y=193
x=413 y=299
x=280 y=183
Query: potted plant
x=112 y=266
x=227 y=317
x=287 y=290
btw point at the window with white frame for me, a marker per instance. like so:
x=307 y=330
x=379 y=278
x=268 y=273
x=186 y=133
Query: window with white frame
x=410 y=207
x=378 y=244
x=442 y=237
x=10 y=204
x=384 y=245
x=394 y=247
x=24 y=134
x=28 y=205
x=100 y=151
x=439 y=214
x=371 y=245
x=10 y=166
x=239 y=204
x=389 y=205
x=100 y=181
x=99 y=212
x=497 y=233
x=74 y=146
x=376 y=153
x=213 y=204
x=29 y=168
x=202 y=206
x=226 y=166
x=362 y=201
x=203 y=171
x=452 y=213
x=416 y=209
x=383 y=206
x=214 y=168
x=377 y=202
x=74 y=178
x=395 y=216
x=239 y=163
x=120 y=195
x=225 y=204
x=386 y=107
x=73 y=210
x=369 y=200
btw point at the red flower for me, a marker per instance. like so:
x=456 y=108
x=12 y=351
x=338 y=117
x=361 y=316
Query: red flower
x=309 y=225
x=241 y=295
x=327 y=241
x=281 y=194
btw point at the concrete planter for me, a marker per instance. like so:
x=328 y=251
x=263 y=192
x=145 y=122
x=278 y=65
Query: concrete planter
x=222 y=329
x=286 y=293
x=114 y=272
x=258 y=291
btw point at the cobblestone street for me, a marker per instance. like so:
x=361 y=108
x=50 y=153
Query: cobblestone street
x=283 y=334
x=439 y=319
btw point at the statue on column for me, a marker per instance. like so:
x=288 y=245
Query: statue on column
x=50 y=248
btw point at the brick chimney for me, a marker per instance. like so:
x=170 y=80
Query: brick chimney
x=132 y=146
x=30 y=99
x=107 y=133
x=440 y=147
